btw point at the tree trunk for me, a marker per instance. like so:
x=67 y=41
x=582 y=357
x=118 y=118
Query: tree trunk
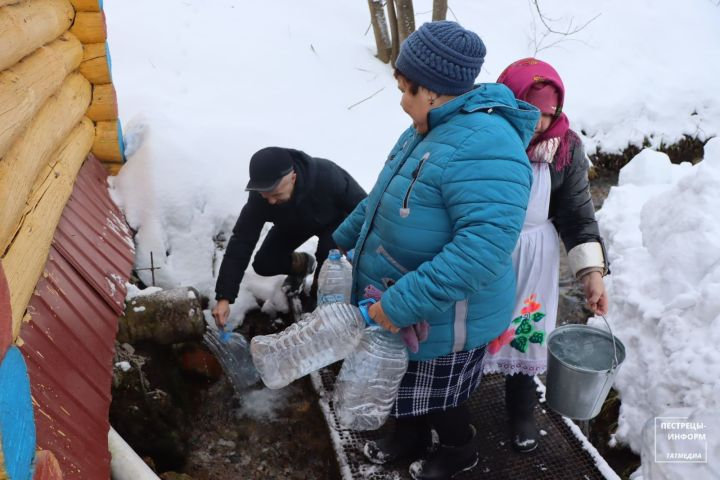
x=380 y=29
x=392 y=17
x=440 y=8
x=167 y=317
x=405 y=18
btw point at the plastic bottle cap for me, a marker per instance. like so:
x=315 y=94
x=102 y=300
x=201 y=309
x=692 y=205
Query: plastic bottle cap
x=334 y=254
x=363 y=306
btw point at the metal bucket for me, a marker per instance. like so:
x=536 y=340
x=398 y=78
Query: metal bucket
x=582 y=364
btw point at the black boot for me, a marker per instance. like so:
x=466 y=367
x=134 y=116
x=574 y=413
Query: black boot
x=412 y=438
x=447 y=461
x=303 y=264
x=520 y=400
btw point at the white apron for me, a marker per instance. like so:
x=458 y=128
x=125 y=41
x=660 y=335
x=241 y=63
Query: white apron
x=522 y=347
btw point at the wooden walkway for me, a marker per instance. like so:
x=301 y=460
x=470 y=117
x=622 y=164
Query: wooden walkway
x=563 y=453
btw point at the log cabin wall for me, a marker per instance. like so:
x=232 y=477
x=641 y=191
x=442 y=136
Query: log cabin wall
x=57 y=105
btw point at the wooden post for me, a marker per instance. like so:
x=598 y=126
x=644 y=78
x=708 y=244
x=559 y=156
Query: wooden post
x=25 y=260
x=26 y=159
x=28 y=26
x=380 y=29
x=95 y=65
x=90 y=27
x=25 y=87
x=104 y=103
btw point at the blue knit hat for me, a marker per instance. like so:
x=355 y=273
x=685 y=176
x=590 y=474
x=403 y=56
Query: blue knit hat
x=442 y=57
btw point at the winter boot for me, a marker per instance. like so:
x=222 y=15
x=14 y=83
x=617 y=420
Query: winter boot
x=520 y=400
x=411 y=438
x=303 y=264
x=447 y=461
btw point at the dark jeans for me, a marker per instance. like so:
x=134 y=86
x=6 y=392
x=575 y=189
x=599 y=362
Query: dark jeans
x=520 y=397
x=275 y=254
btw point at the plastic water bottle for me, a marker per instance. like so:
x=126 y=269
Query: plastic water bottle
x=335 y=279
x=369 y=379
x=233 y=352
x=328 y=334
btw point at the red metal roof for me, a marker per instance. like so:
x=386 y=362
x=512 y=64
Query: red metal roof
x=69 y=342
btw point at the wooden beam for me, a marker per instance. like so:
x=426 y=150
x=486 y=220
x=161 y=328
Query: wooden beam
x=28 y=157
x=90 y=27
x=29 y=25
x=95 y=65
x=104 y=103
x=106 y=146
x=86 y=5
x=26 y=86
x=25 y=260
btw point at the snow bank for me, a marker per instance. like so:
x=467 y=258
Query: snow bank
x=202 y=85
x=663 y=237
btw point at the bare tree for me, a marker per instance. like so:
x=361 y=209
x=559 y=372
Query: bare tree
x=551 y=36
x=440 y=8
x=380 y=29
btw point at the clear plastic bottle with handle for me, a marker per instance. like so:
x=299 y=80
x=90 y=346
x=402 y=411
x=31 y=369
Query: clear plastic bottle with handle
x=328 y=334
x=369 y=380
x=335 y=279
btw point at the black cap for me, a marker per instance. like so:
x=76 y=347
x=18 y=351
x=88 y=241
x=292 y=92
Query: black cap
x=267 y=167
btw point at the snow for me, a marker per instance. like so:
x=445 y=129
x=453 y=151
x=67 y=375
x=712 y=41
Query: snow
x=124 y=366
x=133 y=291
x=202 y=85
x=663 y=240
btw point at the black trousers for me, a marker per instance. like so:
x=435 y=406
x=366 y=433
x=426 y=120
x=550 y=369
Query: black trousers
x=520 y=397
x=274 y=257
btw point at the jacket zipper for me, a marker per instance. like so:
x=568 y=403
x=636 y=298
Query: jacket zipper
x=405 y=210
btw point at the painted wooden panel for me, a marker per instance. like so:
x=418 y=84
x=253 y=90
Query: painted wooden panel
x=17 y=425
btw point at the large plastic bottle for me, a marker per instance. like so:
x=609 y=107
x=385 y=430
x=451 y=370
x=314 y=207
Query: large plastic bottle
x=369 y=379
x=233 y=352
x=334 y=279
x=328 y=334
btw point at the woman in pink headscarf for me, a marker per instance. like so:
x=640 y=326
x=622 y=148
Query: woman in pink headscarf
x=559 y=203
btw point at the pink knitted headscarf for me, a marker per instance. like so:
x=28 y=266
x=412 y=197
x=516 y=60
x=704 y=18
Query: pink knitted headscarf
x=526 y=78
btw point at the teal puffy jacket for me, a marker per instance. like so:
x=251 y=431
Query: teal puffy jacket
x=439 y=227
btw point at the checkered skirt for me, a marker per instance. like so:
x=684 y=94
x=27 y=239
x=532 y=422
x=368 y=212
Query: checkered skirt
x=438 y=384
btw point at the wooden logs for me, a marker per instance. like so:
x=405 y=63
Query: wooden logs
x=25 y=87
x=9 y=2
x=25 y=260
x=27 y=26
x=19 y=169
x=90 y=27
x=95 y=65
x=104 y=103
x=86 y=5
x=107 y=145
x=166 y=317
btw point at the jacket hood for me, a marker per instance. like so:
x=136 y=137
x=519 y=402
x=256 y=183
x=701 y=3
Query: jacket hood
x=522 y=116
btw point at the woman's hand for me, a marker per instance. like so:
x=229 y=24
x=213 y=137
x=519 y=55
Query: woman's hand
x=595 y=293
x=378 y=316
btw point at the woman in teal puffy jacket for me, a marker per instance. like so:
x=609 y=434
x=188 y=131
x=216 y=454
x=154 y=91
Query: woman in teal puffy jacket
x=436 y=235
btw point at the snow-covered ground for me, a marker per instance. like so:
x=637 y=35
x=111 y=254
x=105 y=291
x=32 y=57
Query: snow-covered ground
x=663 y=237
x=203 y=84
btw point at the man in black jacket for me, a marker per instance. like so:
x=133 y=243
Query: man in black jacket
x=302 y=196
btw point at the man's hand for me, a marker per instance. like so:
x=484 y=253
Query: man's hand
x=378 y=316
x=595 y=294
x=221 y=312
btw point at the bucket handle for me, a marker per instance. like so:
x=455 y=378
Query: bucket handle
x=614 y=344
